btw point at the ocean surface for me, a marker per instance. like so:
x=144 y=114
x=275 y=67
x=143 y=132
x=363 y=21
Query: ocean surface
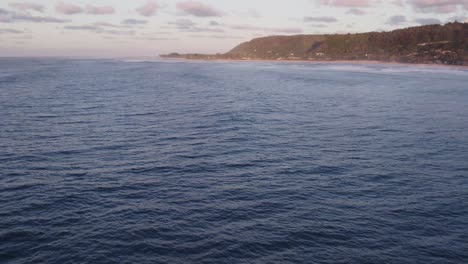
x=114 y=161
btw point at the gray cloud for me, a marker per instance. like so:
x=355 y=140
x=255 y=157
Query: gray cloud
x=183 y=23
x=156 y=38
x=204 y=29
x=318 y=25
x=356 y=12
x=427 y=21
x=132 y=21
x=396 y=20
x=108 y=25
x=438 y=6
x=85 y=27
x=103 y=28
x=10 y=17
x=458 y=18
x=216 y=36
x=187 y=25
x=268 y=29
x=320 y=19
x=38 y=19
x=4 y=12
x=10 y=31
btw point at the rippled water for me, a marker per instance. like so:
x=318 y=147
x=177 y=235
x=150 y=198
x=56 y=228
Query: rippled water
x=106 y=161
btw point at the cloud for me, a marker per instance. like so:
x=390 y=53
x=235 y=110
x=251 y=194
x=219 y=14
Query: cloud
x=318 y=25
x=100 y=28
x=396 y=20
x=198 y=9
x=132 y=21
x=267 y=29
x=109 y=25
x=438 y=6
x=204 y=29
x=156 y=38
x=148 y=9
x=458 y=18
x=427 y=21
x=71 y=9
x=10 y=17
x=187 y=25
x=38 y=19
x=320 y=19
x=100 y=10
x=4 y=16
x=85 y=27
x=10 y=31
x=183 y=23
x=23 y=6
x=285 y=30
x=356 y=12
x=68 y=9
x=347 y=3
x=217 y=36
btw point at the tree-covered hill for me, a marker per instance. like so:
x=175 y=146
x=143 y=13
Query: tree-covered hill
x=446 y=44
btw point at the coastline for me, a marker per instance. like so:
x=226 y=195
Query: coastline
x=357 y=62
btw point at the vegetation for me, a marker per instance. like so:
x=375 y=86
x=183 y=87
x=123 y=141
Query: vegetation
x=446 y=44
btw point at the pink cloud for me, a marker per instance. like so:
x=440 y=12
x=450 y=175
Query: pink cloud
x=347 y=3
x=148 y=9
x=197 y=9
x=100 y=10
x=27 y=6
x=68 y=9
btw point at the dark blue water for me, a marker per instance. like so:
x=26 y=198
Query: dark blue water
x=107 y=161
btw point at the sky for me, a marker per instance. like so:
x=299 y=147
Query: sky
x=136 y=28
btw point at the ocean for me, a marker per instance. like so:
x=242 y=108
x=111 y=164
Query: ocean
x=115 y=161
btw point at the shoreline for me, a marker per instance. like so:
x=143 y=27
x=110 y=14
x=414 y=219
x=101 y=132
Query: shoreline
x=358 y=62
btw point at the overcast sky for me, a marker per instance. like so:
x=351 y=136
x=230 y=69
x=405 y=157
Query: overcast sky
x=116 y=28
